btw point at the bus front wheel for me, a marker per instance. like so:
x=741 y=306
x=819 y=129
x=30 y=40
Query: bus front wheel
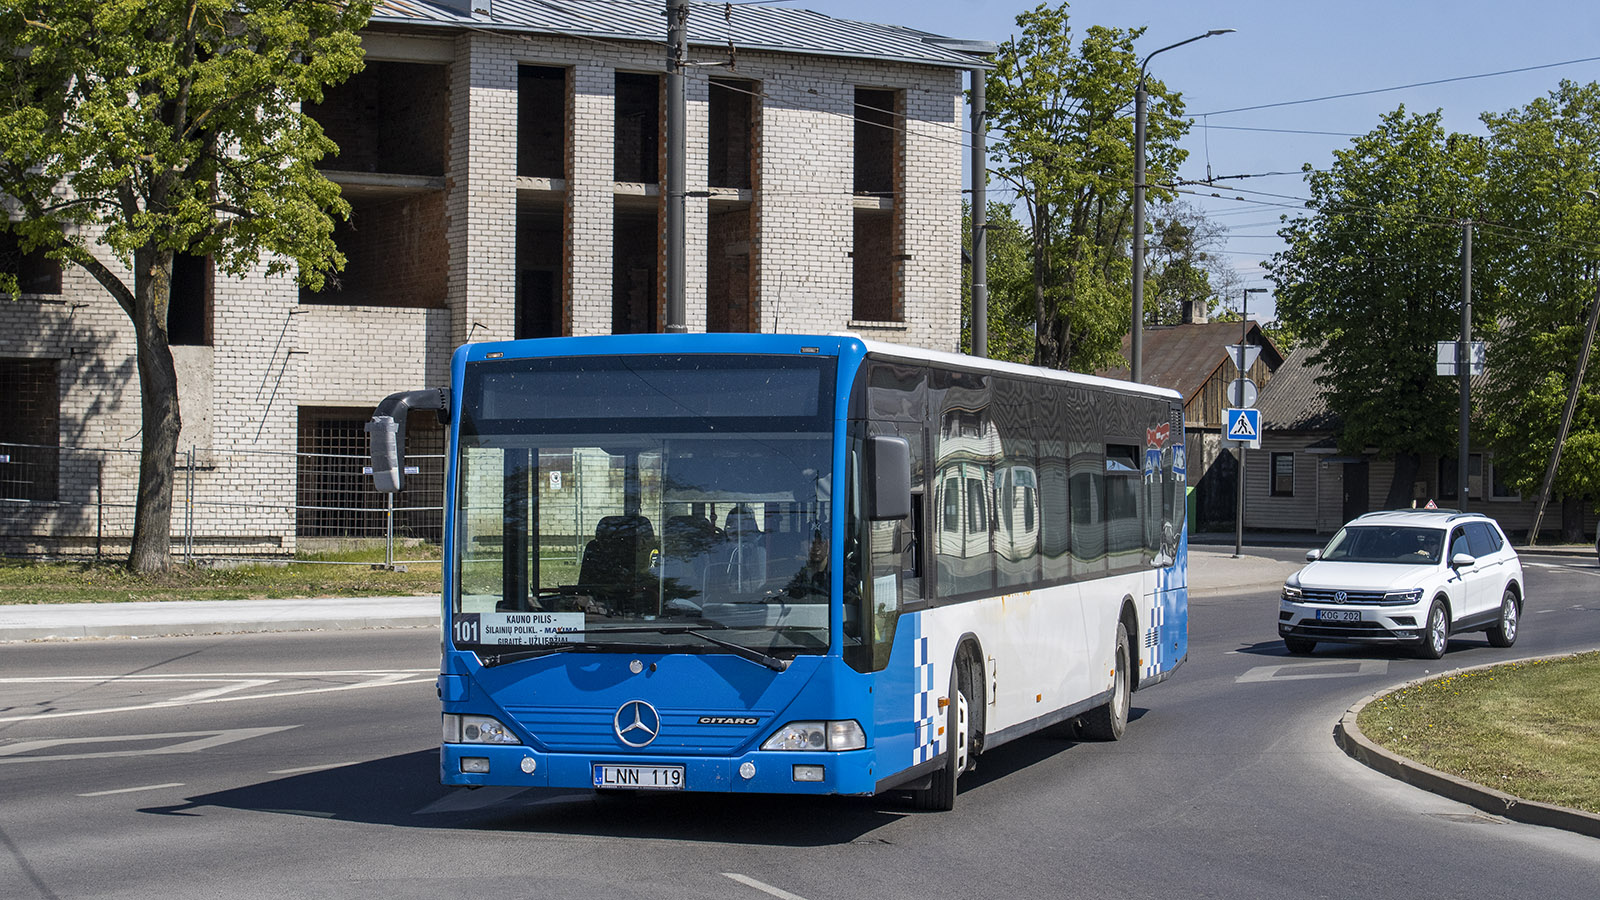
x=940 y=794
x=1108 y=722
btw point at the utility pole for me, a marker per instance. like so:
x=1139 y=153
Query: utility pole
x=1244 y=332
x=677 y=56
x=1464 y=359
x=980 y=219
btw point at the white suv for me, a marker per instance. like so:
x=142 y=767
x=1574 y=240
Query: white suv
x=1386 y=578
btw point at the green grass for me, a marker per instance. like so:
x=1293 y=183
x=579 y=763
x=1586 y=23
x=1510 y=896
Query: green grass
x=1529 y=729
x=111 y=582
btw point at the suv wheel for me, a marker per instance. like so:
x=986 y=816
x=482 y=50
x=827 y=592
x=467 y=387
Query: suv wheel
x=1299 y=646
x=1504 y=632
x=1436 y=636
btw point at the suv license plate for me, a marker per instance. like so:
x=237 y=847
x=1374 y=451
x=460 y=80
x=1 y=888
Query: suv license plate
x=1338 y=615
x=663 y=778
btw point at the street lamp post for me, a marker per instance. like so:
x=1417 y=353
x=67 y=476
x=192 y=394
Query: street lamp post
x=1137 y=338
x=1244 y=332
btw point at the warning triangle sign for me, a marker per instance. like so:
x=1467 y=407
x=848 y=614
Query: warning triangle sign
x=1242 y=430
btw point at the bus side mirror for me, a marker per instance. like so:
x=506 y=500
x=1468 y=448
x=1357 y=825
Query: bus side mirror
x=388 y=430
x=888 y=477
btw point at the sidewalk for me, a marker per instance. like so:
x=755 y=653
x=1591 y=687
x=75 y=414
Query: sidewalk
x=56 y=621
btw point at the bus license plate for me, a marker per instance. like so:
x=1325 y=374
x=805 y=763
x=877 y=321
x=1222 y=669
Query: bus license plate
x=1338 y=615
x=664 y=778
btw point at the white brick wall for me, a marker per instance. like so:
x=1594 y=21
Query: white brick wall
x=272 y=355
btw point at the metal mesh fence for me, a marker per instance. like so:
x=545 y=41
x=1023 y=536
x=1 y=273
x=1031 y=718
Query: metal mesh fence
x=227 y=503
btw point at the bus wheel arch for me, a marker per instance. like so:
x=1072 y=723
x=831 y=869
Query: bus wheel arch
x=1109 y=721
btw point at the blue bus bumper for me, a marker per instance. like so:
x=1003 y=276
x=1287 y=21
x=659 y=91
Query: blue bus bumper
x=775 y=772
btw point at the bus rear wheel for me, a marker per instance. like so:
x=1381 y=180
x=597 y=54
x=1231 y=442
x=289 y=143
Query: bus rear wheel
x=1108 y=722
x=940 y=794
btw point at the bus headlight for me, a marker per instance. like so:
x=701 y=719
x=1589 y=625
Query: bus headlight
x=476 y=730
x=842 y=735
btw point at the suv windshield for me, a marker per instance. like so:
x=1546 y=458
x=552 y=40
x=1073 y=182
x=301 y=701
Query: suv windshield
x=639 y=503
x=1406 y=545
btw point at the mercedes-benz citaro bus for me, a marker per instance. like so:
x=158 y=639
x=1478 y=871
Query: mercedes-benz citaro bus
x=790 y=563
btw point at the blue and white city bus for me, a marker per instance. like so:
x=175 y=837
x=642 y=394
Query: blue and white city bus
x=790 y=563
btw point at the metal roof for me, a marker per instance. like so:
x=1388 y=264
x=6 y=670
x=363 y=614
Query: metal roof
x=1184 y=357
x=711 y=25
x=1293 y=400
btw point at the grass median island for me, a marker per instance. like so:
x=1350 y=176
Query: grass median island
x=1530 y=729
x=332 y=574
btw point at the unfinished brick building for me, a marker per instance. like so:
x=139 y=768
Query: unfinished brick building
x=503 y=163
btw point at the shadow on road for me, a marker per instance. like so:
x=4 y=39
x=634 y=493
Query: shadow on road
x=403 y=791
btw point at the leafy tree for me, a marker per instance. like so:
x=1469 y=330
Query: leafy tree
x=131 y=130
x=1010 y=286
x=1183 y=264
x=1065 y=113
x=1542 y=248
x=1375 y=272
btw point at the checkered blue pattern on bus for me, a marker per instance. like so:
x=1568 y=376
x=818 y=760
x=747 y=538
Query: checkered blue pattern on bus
x=926 y=705
x=1168 y=617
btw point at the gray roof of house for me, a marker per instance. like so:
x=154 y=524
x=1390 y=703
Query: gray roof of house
x=1292 y=400
x=747 y=26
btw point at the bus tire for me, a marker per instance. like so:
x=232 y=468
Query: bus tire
x=1108 y=722
x=940 y=794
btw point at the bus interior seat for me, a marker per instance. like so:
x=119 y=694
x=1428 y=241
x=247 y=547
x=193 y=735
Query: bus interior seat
x=614 y=562
x=745 y=564
x=688 y=544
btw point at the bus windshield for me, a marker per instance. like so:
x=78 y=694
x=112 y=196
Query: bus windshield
x=675 y=503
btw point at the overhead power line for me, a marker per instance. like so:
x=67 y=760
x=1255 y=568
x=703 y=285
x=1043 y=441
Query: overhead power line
x=1400 y=87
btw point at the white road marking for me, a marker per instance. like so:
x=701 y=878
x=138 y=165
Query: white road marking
x=747 y=881
x=148 y=787
x=304 y=769
x=374 y=679
x=1307 y=670
x=198 y=740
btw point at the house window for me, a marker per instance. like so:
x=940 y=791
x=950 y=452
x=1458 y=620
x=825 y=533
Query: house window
x=1283 y=474
x=1449 y=482
x=30 y=440
x=1498 y=488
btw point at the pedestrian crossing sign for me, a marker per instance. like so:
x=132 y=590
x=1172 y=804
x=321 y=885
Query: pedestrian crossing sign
x=1244 y=426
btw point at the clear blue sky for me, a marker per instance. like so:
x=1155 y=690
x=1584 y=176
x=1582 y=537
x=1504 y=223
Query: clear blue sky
x=1286 y=50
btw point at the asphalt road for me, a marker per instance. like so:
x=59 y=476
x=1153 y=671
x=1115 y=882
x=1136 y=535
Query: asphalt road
x=303 y=765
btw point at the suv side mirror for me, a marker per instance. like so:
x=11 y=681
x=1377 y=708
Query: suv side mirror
x=1313 y=555
x=1463 y=561
x=888 y=477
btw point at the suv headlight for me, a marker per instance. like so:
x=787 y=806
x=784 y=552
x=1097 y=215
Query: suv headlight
x=476 y=730
x=1291 y=593
x=844 y=735
x=1410 y=596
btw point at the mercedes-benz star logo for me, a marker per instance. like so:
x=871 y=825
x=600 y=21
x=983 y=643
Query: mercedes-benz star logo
x=1340 y=597
x=636 y=723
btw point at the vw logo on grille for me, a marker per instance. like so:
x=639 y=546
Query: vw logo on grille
x=1340 y=596
x=636 y=723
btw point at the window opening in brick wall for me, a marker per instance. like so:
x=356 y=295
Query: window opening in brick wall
x=189 y=311
x=334 y=499
x=539 y=249
x=729 y=285
x=877 y=143
x=636 y=244
x=874 y=297
x=541 y=121
x=395 y=252
x=732 y=113
x=36 y=273
x=30 y=436
x=391 y=117
x=1283 y=474
x=638 y=127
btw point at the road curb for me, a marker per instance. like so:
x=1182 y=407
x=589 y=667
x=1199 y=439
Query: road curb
x=1359 y=747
